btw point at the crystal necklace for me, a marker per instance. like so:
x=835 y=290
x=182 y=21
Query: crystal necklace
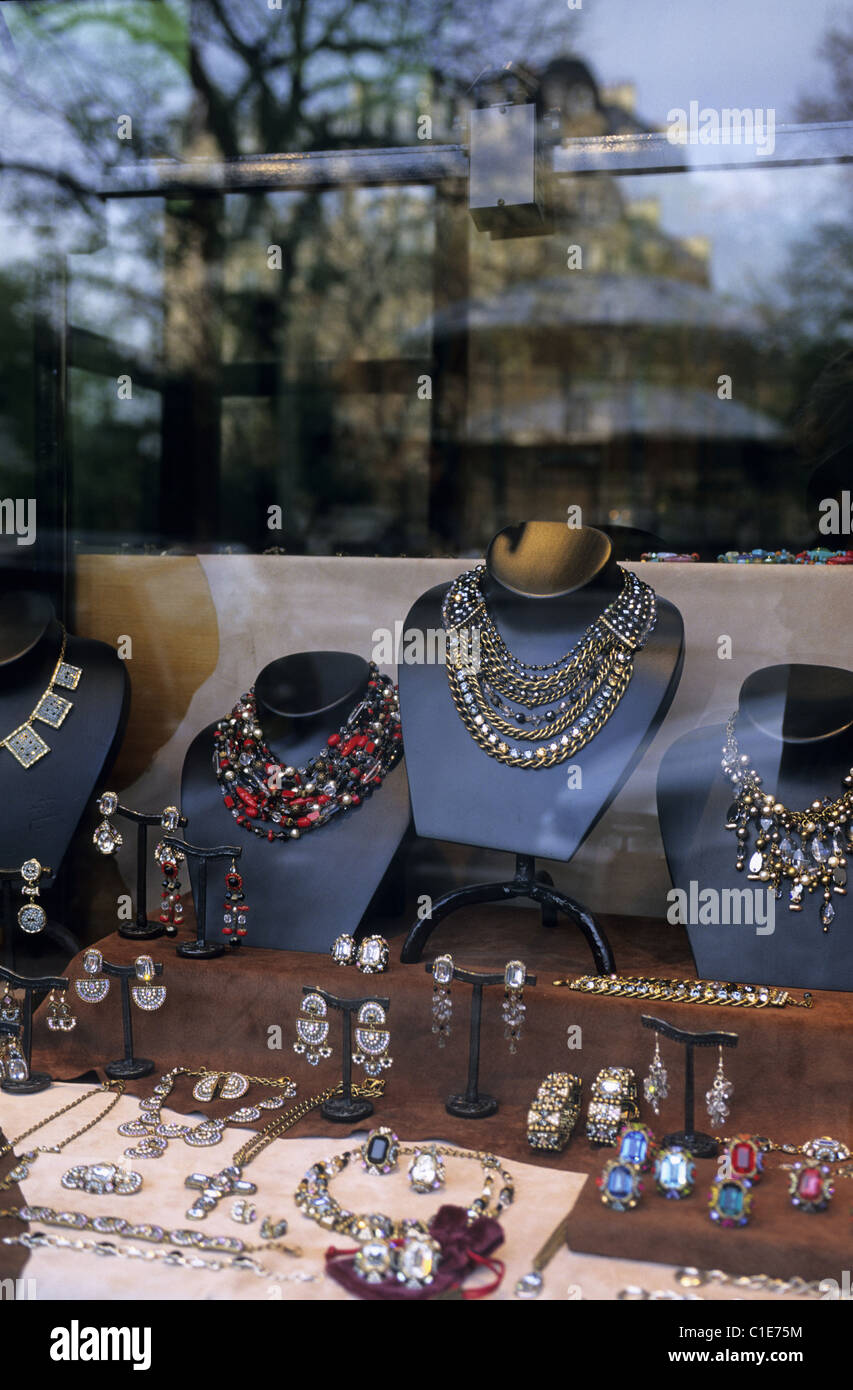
x=805 y=850
x=558 y=706
x=24 y=743
x=282 y=803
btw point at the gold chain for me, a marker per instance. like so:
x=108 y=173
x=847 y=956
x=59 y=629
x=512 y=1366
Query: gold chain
x=688 y=991
x=372 y=1088
x=108 y=1086
x=691 y=1278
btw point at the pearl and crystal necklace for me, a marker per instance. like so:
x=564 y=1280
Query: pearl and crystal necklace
x=805 y=850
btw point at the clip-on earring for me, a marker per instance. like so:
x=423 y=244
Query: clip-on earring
x=343 y=949
x=236 y=911
x=373 y=1039
x=59 y=1016
x=372 y=955
x=513 y=1007
x=720 y=1093
x=107 y=838
x=93 y=991
x=145 y=995
x=32 y=917
x=442 y=1004
x=655 y=1087
x=312 y=1030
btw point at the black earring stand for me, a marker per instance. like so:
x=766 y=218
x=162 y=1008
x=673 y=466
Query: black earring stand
x=128 y=1067
x=538 y=886
x=346 y=1108
x=201 y=949
x=472 y=1105
x=142 y=929
x=39 y=1080
x=8 y=919
x=700 y=1145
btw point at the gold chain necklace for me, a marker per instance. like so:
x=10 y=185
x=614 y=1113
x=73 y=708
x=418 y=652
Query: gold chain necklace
x=687 y=991
x=229 y=1181
x=561 y=705
x=115 y=1089
x=24 y=743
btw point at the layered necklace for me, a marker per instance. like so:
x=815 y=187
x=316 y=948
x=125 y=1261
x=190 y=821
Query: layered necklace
x=282 y=803
x=505 y=703
x=25 y=743
x=804 y=850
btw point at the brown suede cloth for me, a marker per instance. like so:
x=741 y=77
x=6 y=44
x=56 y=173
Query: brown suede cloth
x=791 y=1070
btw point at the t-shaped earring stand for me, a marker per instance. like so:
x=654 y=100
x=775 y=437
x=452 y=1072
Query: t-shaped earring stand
x=38 y=1080
x=700 y=1145
x=472 y=1105
x=142 y=929
x=346 y=1108
x=201 y=949
x=128 y=1067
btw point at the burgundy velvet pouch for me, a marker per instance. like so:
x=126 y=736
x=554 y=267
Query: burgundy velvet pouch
x=464 y=1247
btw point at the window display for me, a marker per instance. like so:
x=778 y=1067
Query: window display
x=430 y=427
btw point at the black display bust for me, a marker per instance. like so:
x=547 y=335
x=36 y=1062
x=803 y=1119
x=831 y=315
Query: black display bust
x=301 y=893
x=545 y=584
x=42 y=805
x=795 y=723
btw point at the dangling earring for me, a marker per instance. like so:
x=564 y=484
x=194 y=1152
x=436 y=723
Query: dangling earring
x=236 y=913
x=32 y=918
x=145 y=995
x=10 y=1009
x=312 y=1029
x=655 y=1087
x=442 y=1004
x=372 y=1038
x=720 y=1093
x=107 y=838
x=59 y=1016
x=16 y=1062
x=171 y=907
x=513 y=1008
x=92 y=991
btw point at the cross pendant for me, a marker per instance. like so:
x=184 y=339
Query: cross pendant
x=212 y=1189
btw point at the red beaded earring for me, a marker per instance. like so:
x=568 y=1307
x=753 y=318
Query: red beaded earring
x=171 y=907
x=236 y=913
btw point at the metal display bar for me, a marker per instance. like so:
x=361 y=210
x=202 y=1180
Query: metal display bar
x=822 y=143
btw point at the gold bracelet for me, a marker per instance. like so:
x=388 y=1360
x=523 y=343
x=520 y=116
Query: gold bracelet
x=687 y=991
x=614 y=1100
x=554 y=1112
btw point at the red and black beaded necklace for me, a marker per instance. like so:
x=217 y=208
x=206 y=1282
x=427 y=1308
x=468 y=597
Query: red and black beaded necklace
x=279 y=802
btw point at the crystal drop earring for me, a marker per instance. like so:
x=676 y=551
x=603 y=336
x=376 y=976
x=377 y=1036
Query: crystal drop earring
x=107 y=838
x=312 y=1030
x=514 y=1008
x=442 y=1004
x=372 y=1039
x=720 y=1093
x=655 y=1087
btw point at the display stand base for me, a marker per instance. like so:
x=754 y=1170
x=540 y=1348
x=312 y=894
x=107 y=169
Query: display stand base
x=200 y=950
x=700 y=1145
x=129 y=1068
x=136 y=933
x=343 y=1111
x=539 y=888
x=36 y=1081
x=466 y=1109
